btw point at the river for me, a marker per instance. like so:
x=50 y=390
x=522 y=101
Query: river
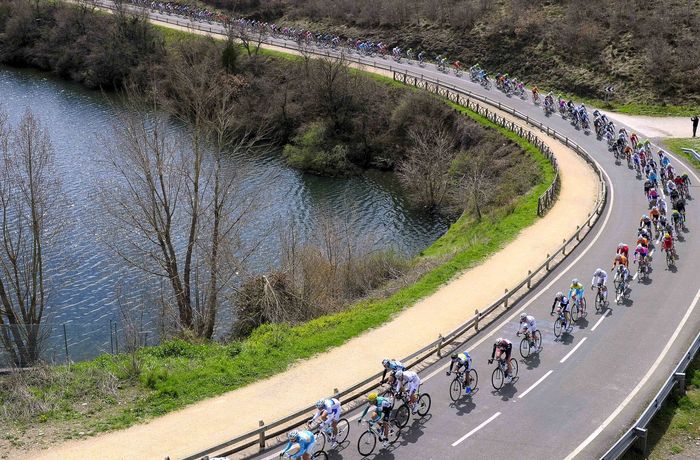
x=85 y=275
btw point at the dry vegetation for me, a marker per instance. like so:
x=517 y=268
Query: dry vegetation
x=648 y=50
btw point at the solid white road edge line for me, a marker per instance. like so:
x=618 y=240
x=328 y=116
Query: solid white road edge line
x=599 y=321
x=561 y=361
x=535 y=384
x=483 y=424
x=641 y=383
x=556 y=278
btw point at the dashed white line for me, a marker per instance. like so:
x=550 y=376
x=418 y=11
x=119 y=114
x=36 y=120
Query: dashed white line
x=598 y=322
x=573 y=350
x=490 y=419
x=535 y=384
x=641 y=383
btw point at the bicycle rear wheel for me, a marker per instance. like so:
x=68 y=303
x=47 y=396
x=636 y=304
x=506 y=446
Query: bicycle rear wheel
x=558 y=327
x=394 y=432
x=455 y=389
x=320 y=455
x=537 y=335
x=343 y=430
x=403 y=413
x=366 y=443
x=525 y=347
x=514 y=367
x=321 y=440
x=423 y=404
x=574 y=313
x=473 y=379
x=497 y=379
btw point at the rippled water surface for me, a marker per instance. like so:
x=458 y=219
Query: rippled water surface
x=86 y=275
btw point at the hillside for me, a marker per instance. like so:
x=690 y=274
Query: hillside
x=647 y=50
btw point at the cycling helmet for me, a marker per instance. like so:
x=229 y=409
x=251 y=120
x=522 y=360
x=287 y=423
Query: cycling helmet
x=667 y=235
x=454 y=356
x=320 y=403
x=645 y=217
x=560 y=295
x=621 y=245
x=398 y=375
x=372 y=397
x=598 y=271
x=499 y=340
x=385 y=362
x=293 y=435
x=523 y=316
x=574 y=281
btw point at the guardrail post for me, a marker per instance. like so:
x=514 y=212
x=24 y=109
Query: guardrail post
x=476 y=320
x=641 y=434
x=529 y=279
x=563 y=248
x=547 y=265
x=262 y=435
x=506 y=302
x=679 y=377
x=578 y=233
x=441 y=339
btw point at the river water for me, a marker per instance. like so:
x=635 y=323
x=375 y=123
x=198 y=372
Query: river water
x=85 y=275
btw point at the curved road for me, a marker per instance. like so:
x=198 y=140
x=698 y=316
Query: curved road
x=581 y=392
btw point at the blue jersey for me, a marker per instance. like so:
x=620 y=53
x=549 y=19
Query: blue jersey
x=305 y=441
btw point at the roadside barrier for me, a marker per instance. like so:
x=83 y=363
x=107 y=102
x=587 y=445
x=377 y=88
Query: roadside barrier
x=354 y=395
x=638 y=432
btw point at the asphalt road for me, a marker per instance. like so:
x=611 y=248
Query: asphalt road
x=581 y=392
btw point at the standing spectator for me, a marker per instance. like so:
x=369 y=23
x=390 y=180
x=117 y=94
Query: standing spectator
x=695 y=124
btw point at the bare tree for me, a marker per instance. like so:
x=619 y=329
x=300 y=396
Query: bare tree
x=29 y=192
x=475 y=178
x=425 y=171
x=251 y=38
x=176 y=203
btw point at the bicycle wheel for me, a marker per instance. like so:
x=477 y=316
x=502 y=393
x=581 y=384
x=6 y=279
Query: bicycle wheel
x=455 y=389
x=599 y=302
x=394 y=432
x=366 y=443
x=524 y=347
x=574 y=313
x=558 y=327
x=669 y=259
x=343 y=430
x=497 y=378
x=403 y=413
x=321 y=440
x=423 y=404
x=537 y=335
x=320 y=455
x=514 y=367
x=473 y=379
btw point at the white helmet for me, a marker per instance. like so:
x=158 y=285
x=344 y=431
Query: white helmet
x=398 y=375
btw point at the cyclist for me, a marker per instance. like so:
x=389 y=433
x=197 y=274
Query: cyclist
x=328 y=410
x=654 y=214
x=661 y=204
x=409 y=382
x=391 y=365
x=528 y=323
x=640 y=253
x=499 y=347
x=645 y=222
x=677 y=218
x=535 y=93
x=643 y=238
x=622 y=274
x=462 y=360
x=457 y=66
x=421 y=57
x=381 y=409
x=600 y=278
x=301 y=442
x=623 y=249
x=667 y=245
x=565 y=306
x=620 y=259
x=679 y=206
x=576 y=291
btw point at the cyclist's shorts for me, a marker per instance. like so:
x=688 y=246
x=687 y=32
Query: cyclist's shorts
x=413 y=386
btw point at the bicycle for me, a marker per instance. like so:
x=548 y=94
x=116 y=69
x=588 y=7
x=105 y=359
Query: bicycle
x=600 y=301
x=620 y=288
x=530 y=342
x=319 y=454
x=403 y=413
x=457 y=384
x=498 y=376
x=560 y=324
x=368 y=439
x=325 y=434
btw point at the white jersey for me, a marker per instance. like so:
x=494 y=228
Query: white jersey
x=599 y=278
x=529 y=323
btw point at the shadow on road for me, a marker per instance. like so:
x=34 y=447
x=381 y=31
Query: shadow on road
x=532 y=361
x=464 y=405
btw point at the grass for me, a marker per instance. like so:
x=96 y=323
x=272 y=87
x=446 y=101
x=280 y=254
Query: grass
x=177 y=373
x=677 y=145
x=676 y=428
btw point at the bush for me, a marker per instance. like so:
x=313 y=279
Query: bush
x=310 y=151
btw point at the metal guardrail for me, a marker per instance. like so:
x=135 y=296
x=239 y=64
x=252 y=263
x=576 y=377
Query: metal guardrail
x=639 y=430
x=265 y=432
x=692 y=152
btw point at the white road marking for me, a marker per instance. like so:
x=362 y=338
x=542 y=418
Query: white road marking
x=535 y=384
x=561 y=361
x=491 y=419
x=598 y=322
x=641 y=383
